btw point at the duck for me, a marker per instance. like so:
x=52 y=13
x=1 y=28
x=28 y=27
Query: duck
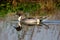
x=29 y=21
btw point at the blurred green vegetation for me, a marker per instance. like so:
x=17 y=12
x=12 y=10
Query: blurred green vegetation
x=25 y=7
x=9 y=6
x=58 y=5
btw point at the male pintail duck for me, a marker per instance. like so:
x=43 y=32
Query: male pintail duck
x=28 y=21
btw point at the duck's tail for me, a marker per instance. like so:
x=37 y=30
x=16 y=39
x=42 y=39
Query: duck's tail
x=51 y=21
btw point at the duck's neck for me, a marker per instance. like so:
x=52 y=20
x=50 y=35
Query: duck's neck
x=19 y=19
x=38 y=21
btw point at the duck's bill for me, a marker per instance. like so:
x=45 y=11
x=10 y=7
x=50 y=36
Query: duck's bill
x=51 y=22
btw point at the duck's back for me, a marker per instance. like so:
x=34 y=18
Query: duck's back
x=29 y=21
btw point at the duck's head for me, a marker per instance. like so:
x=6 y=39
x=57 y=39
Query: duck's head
x=19 y=13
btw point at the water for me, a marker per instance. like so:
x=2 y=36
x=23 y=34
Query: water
x=10 y=33
x=51 y=22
